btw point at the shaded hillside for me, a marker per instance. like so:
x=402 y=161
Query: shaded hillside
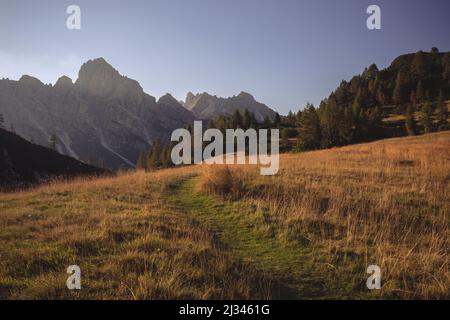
x=353 y=112
x=411 y=78
x=102 y=117
x=408 y=97
x=23 y=163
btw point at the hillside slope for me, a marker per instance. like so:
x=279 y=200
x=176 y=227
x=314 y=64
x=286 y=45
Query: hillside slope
x=409 y=97
x=23 y=163
x=309 y=232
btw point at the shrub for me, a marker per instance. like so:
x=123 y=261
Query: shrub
x=224 y=181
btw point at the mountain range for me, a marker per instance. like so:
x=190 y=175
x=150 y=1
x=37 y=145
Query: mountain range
x=104 y=117
x=206 y=106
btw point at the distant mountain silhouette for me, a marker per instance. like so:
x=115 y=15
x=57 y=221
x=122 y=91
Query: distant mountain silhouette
x=206 y=106
x=103 y=116
x=23 y=163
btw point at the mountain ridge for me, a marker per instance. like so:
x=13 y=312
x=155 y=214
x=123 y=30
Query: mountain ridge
x=102 y=116
x=206 y=106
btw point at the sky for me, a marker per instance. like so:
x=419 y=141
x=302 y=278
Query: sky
x=284 y=52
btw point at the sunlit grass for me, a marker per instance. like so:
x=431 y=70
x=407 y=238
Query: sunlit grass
x=226 y=232
x=385 y=203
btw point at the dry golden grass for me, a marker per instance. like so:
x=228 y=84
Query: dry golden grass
x=127 y=240
x=385 y=203
x=222 y=180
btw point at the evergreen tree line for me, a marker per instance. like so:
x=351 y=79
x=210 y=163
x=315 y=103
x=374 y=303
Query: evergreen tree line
x=430 y=117
x=415 y=85
x=316 y=128
x=412 y=78
x=245 y=120
x=329 y=125
x=157 y=157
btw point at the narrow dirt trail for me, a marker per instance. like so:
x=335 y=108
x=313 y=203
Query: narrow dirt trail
x=295 y=267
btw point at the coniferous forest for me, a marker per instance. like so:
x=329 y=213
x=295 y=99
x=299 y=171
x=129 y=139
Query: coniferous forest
x=407 y=98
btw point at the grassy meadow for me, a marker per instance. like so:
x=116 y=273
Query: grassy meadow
x=225 y=232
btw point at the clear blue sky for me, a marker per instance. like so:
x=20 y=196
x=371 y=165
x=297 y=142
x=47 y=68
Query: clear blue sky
x=284 y=52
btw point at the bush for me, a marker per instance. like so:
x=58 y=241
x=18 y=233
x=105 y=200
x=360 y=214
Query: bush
x=223 y=181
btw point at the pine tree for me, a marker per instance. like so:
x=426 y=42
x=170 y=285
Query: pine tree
x=443 y=113
x=345 y=126
x=374 y=122
x=330 y=119
x=277 y=120
x=285 y=138
x=236 y=120
x=255 y=123
x=356 y=107
x=141 y=162
x=167 y=156
x=410 y=121
x=446 y=69
x=247 y=122
x=412 y=98
x=419 y=65
x=149 y=159
x=420 y=94
x=397 y=96
x=381 y=96
x=267 y=124
x=291 y=119
x=221 y=123
x=298 y=116
x=426 y=118
x=211 y=124
x=154 y=157
x=310 y=132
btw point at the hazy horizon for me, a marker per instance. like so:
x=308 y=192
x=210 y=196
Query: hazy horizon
x=284 y=53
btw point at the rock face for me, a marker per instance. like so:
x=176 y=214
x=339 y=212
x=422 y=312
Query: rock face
x=102 y=117
x=206 y=106
x=23 y=163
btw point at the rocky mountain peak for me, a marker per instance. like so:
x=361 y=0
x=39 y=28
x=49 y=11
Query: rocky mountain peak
x=30 y=81
x=98 y=77
x=190 y=97
x=97 y=69
x=206 y=106
x=246 y=96
x=168 y=100
x=193 y=99
x=63 y=83
x=104 y=116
